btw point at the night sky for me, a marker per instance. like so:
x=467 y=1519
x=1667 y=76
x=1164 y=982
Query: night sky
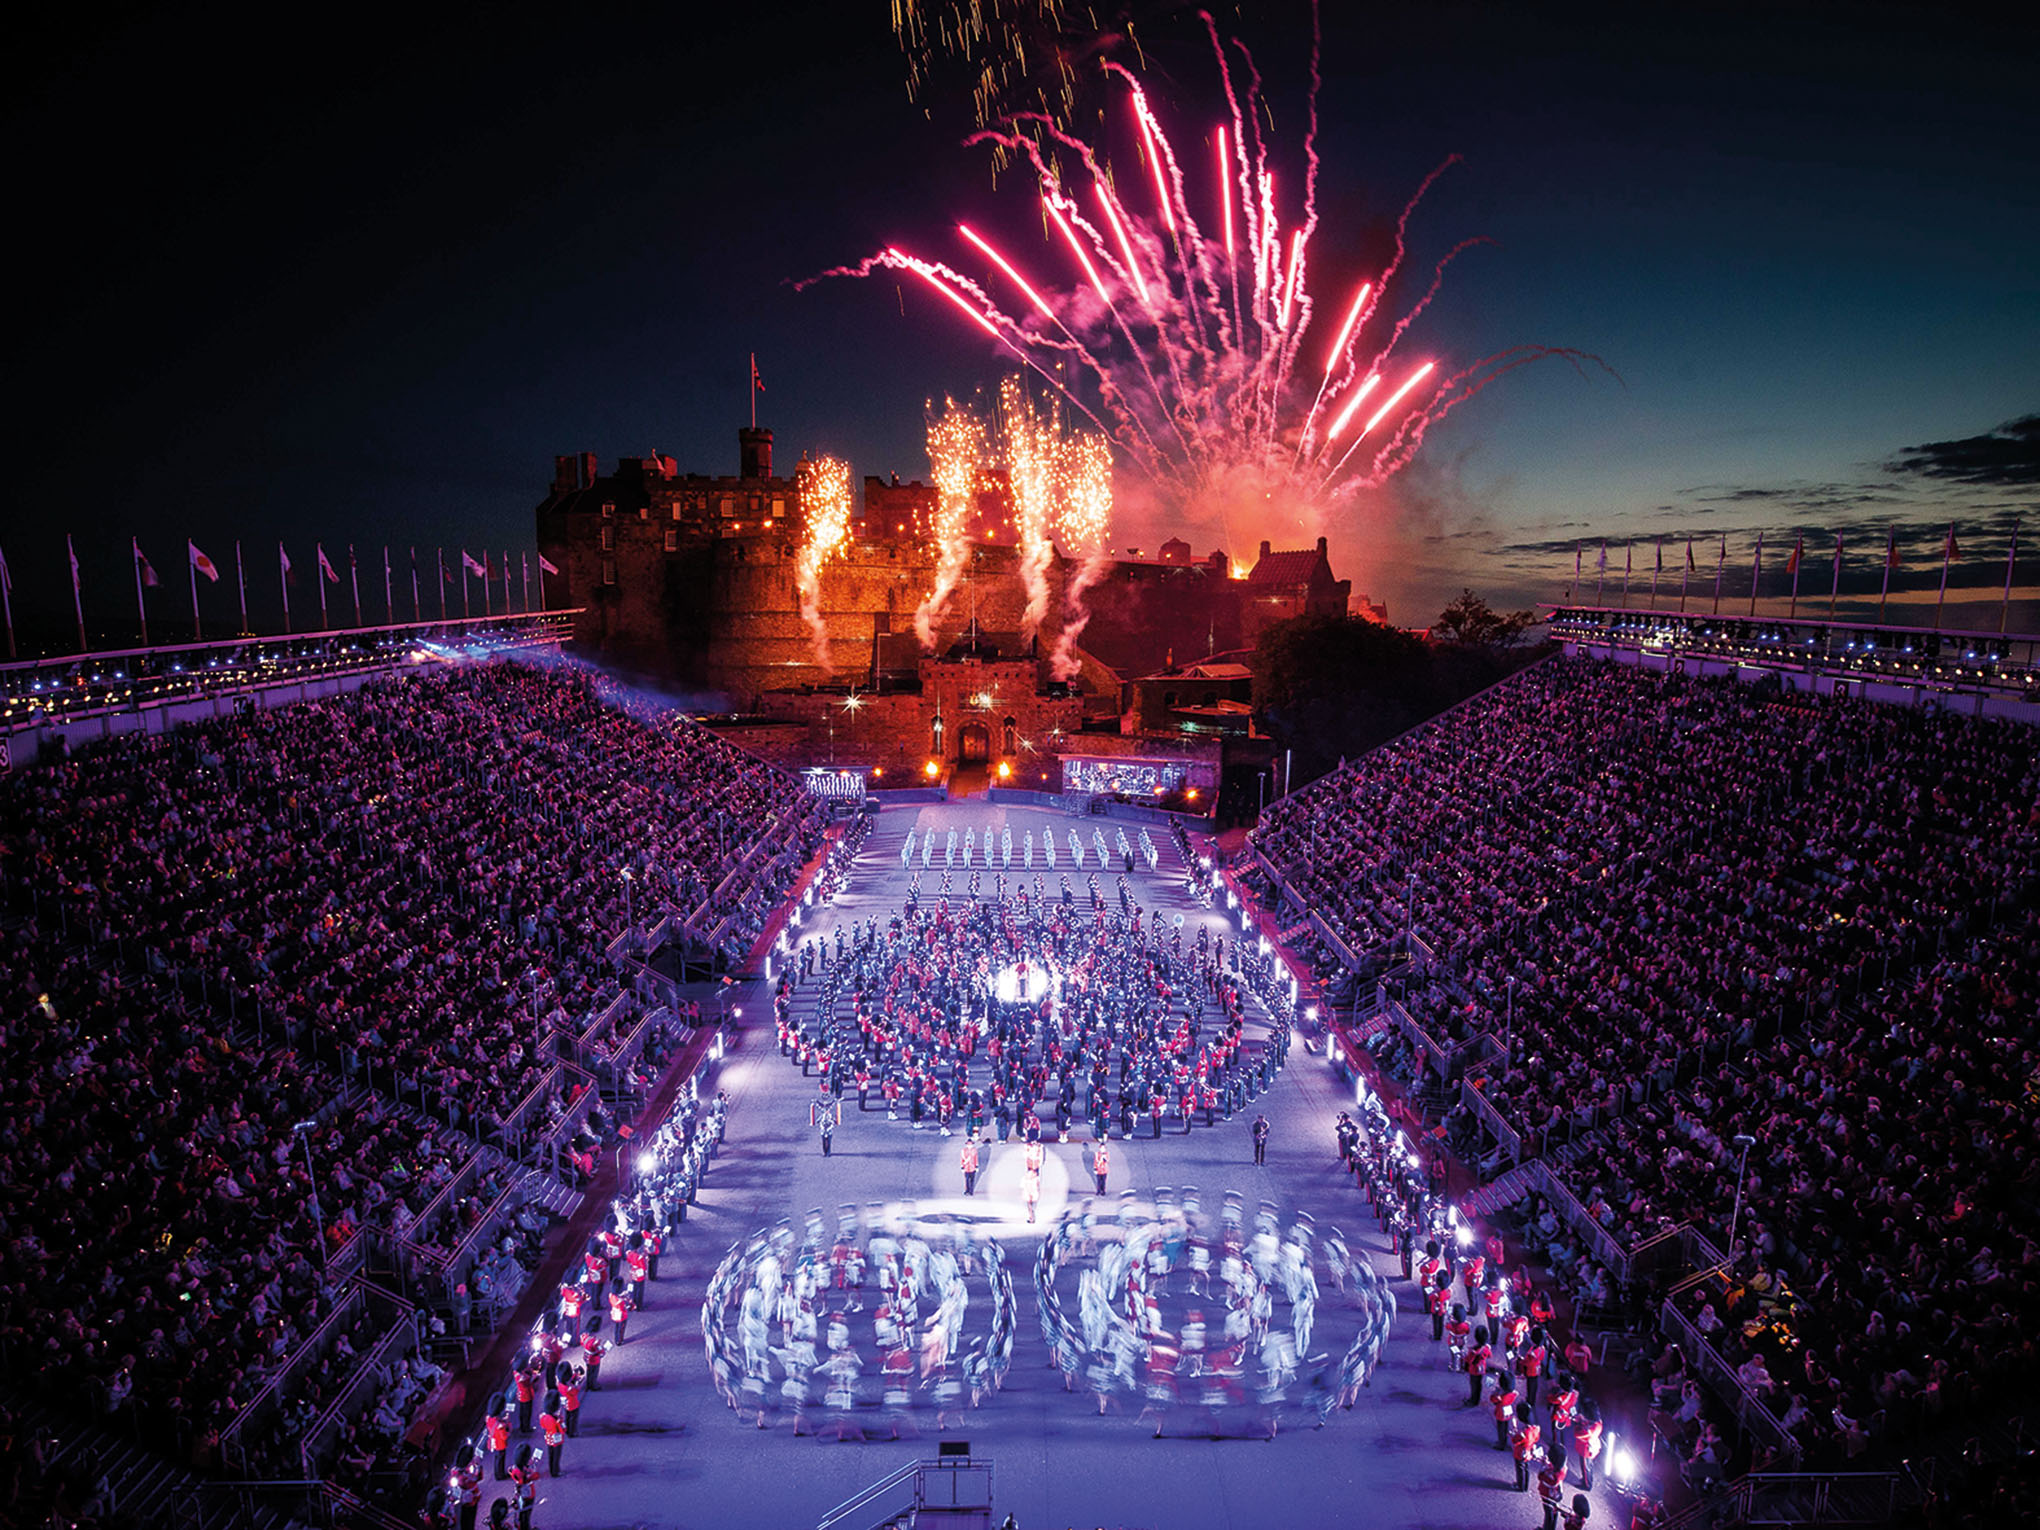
x=358 y=276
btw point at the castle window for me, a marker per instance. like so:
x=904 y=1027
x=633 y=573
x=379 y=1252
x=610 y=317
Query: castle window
x=672 y=541
x=608 y=509
x=676 y=509
x=608 y=538
x=643 y=513
x=778 y=505
x=609 y=571
x=729 y=505
x=1012 y=737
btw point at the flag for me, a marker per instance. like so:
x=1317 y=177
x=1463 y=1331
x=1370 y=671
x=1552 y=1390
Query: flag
x=1660 y=557
x=6 y=580
x=1792 y=563
x=289 y=574
x=472 y=566
x=1604 y=557
x=1689 y=554
x=546 y=565
x=326 y=567
x=1951 y=552
x=757 y=382
x=1891 y=550
x=142 y=560
x=201 y=562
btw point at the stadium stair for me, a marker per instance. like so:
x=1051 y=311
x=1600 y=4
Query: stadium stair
x=556 y=1199
x=143 y=1488
x=1506 y=1191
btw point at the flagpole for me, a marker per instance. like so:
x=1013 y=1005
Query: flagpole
x=7 y=600
x=753 y=390
x=524 y=567
x=389 y=590
x=1628 y=565
x=1798 y=548
x=354 y=578
x=1601 y=579
x=1835 y=594
x=1756 y=572
x=441 y=554
x=507 y=600
x=466 y=610
x=2004 y=607
x=141 y=610
x=1947 y=557
x=417 y=601
x=1657 y=572
x=191 y=568
x=241 y=578
x=77 y=594
x=319 y=578
x=1720 y=563
x=1890 y=554
x=1686 y=576
x=283 y=582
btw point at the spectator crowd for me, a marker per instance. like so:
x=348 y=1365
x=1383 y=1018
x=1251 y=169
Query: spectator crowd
x=1683 y=909
x=275 y=981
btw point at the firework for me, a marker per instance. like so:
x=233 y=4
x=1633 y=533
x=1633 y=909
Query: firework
x=956 y=453
x=1083 y=497
x=1030 y=450
x=1190 y=352
x=825 y=503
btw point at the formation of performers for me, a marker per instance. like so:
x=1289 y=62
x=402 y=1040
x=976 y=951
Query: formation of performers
x=1147 y=1283
x=1022 y=1012
x=877 y=1318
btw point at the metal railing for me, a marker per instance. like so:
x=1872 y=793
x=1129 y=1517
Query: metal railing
x=1504 y=1134
x=1748 y=1410
x=954 y=1486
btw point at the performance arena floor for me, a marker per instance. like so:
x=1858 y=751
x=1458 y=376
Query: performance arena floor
x=658 y=1448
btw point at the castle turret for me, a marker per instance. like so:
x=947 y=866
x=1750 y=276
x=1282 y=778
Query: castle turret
x=754 y=447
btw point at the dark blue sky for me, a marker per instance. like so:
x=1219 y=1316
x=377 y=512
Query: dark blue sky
x=360 y=283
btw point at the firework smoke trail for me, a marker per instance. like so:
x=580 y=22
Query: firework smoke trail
x=1193 y=351
x=1083 y=494
x=825 y=504
x=956 y=452
x=1029 y=446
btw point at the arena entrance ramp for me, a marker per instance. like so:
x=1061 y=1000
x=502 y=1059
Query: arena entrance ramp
x=952 y=1492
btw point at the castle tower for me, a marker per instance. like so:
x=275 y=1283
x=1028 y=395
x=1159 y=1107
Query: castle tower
x=754 y=449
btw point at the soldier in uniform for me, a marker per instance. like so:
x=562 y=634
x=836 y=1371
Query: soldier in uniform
x=554 y=1428
x=1101 y=1161
x=1523 y=1440
x=967 y=1160
x=496 y=1429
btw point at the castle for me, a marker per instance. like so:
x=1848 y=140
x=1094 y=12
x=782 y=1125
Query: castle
x=690 y=581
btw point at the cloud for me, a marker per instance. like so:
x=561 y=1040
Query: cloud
x=2007 y=455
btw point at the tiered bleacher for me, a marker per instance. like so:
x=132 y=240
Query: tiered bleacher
x=1630 y=916
x=312 y=993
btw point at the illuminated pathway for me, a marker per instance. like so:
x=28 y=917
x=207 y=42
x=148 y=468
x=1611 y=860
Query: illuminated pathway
x=658 y=1448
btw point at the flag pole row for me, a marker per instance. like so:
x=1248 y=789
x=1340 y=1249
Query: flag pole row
x=489 y=568
x=1951 y=552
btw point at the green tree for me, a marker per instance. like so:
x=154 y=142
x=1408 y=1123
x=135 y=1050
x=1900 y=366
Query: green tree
x=1470 y=621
